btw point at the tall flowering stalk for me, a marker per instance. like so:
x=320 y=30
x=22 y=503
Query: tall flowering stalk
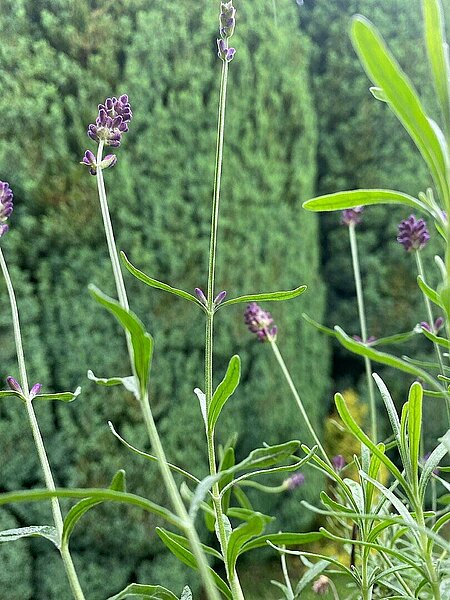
x=112 y=121
x=22 y=387
x=226 y=53
x=260 y=322
x=351 y=218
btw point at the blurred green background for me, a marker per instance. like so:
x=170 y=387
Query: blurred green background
x=300 y=121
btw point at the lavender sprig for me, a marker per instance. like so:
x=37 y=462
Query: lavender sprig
x=6 y=206
x=260 y=322
x=413 y=234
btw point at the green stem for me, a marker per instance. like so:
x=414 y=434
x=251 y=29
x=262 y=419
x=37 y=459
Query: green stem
x=366 y=589
x=298 y=399
x=155 y=440
x=362 y=321
x=38 y=441
x=233 y=578
x=437 y=348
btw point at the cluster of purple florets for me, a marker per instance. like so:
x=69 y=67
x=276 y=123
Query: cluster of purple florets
x=352 y=216
x=6 y=206
x=227 y=22
x=260 y=322
x=413 y=234
x=112 y=121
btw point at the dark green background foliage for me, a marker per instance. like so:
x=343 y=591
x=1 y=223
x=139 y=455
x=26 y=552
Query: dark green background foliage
x=58 y=60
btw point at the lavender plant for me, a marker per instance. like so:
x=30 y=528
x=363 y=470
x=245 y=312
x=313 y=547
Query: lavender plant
x=397 y=548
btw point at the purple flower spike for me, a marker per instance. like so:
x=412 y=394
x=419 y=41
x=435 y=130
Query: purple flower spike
x=201 y=296
x=113 y=118
x=219 y=298
x=338 y=462
x=260 y=322
x=352 y=216
x=225 y=53
x=35 y=390
x=294 y=481
x=413 y=234
x=6 y=206
x=14 y=384
x=227 y=19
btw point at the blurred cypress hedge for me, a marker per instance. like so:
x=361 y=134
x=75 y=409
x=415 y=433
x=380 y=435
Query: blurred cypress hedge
x=59 y=59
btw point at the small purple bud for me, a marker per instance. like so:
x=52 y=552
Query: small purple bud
x=370 y=340
x=352 y=215
x=201 y=296
x=6 y=206
x=260 y=322
x=294 y=481
x=338 y=462
x=35 y=390
x=413 y=234
x=108 y=162
x=230 y=54
x=14 y=384
x=219 y=298
x=438 y=324
x=89 y=161
x=426 y=326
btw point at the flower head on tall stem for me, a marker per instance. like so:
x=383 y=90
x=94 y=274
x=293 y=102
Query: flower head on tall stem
x=413 y=234
x=6 y=206
x=227 y=22
x=352 y=216
x=113 y=118
x=260 y=322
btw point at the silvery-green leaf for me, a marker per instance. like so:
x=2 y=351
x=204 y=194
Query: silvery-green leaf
x=186 y=594
x=129 y=383
x=202 y=401
x=46 y=531
x=139 y=591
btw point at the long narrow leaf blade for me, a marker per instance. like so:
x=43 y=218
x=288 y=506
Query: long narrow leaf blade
x=352 y=198
x=266 y=296
x=224 y=390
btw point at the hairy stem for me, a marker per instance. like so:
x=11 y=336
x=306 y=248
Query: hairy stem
x=362 y=321
x=297 y=398
x=147 y=414
x=37 y=437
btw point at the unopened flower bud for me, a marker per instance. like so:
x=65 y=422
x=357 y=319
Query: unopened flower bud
x=89 y=161
x=294 y=481
x=201 y=296
x=35 y=390
x=219 y=298
x=338 y=462
x=352 y=216
x=14 y=384
x=108 y=162
x=225 y=53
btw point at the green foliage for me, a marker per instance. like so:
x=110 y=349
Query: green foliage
x=60 y=58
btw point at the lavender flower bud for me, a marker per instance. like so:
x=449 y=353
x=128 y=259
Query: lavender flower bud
x=438 y=324
x=370 y=340
x=294 y=481
x=413 y=234
x=201 y=296
x=35 y=390
x=225 y=53
x=352 y=215
x=260 y=322
x=321 y=585
x=89 y=161
x=112 y=121
x=14 y=384
x=227 y=19
x=338 y=462
x=219 y=298
x=108 y=162
x=6 y=206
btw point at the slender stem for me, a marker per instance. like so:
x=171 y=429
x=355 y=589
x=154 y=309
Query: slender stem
x=366 y=589
x=233 y=579
x=362 y=321
x=287 y=580
x=38 y=441
x=437 y=348
x=155 y=440
x=298 y=399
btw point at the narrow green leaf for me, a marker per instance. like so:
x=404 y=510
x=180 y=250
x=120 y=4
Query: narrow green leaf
x=352 y=198
x=284 y=538
x=241 y=535
x=268 y=456
x=352 y=426
x=385 y=72
x=129 y=383
x=436 y=339
x=437 y=51
x=184 y=542
x=429 y=292
x=147 y=592
x=397 y=338
x=7 y=393
x=224 y=390
x=309 y=576
x=187 y=558
x=61 y=396
x=414 y=425
x=227 y=463
x=389 y=403
x=158 y=284
x=266 y=297
x=382 y=357
x=318 y=326
x=433 y=461
x=141 y=341
x=336 y=506
x=45 y=531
